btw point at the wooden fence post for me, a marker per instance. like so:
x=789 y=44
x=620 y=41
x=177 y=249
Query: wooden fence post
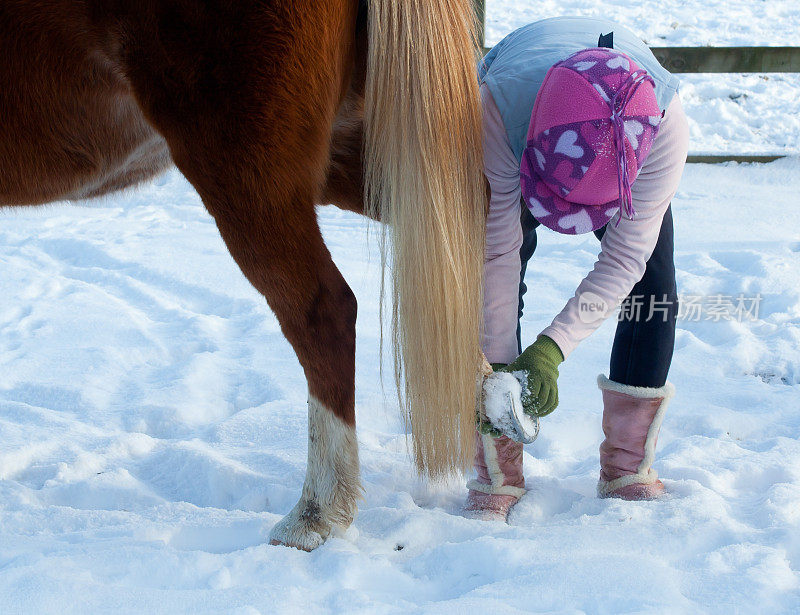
x=480 y=12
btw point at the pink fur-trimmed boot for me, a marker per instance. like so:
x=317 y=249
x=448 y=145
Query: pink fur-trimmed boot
x=632 y=418
x=500 y=483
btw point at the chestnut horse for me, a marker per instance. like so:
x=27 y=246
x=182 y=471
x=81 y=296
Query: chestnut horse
x=268 y=107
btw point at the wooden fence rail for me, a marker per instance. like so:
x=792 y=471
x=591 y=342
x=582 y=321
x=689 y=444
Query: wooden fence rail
x=729 y=59
x=712 y=60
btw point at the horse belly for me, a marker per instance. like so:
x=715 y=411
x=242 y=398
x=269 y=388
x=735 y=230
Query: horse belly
x=71 y=128
x=138 y=161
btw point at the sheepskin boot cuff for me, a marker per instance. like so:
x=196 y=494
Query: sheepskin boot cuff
x=500 y=482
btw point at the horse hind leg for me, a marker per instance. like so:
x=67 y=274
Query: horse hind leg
x=280 y=250
x=331 y=486
x=259 y=167
x=344 y=183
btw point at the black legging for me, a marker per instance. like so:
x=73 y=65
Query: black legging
x=642 y=351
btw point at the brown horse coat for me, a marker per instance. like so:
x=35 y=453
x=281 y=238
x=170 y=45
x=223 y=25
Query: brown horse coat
x=259 y=104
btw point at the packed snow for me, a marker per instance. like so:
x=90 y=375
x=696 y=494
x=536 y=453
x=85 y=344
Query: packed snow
x=153 y=417
x=502 y=406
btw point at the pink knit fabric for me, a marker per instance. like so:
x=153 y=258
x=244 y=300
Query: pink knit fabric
x=586 y=103
x=593 y=125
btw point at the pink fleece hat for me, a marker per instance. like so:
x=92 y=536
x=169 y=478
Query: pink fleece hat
x=592 y=127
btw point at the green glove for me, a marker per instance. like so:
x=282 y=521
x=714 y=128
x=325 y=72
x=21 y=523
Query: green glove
x=485 y=427
x=539 y=364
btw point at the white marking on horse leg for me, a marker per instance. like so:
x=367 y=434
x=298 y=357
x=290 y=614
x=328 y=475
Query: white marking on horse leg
x=332 y=483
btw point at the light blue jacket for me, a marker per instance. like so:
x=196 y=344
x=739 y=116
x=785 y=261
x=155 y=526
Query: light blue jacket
x=516 y=67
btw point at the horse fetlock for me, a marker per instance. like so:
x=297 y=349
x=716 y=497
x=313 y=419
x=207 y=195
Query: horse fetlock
x=332 y=486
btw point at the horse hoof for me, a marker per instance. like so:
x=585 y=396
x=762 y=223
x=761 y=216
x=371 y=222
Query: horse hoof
x=303 y=529
x=308 y=549
x=296 y=538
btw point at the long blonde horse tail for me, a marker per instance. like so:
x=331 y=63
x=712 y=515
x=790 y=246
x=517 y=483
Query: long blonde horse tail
x=424 y=180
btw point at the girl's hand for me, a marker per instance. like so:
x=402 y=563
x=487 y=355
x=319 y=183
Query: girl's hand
x=537 y=370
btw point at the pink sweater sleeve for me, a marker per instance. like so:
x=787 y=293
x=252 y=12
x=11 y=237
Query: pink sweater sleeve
x=503 y=238
x=625 y=249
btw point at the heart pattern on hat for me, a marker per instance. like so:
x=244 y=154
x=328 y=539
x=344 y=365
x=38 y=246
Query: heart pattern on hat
x=582 y=66
x=633 y=130
x=566 y=162
x=558 y=213
x=540 y=160
x=619 y=62
x=577 y=223
x=536 y=207
x=568 y=145
x=605 y=74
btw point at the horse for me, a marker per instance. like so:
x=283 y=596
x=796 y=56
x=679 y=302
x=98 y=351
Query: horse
x=268 y=108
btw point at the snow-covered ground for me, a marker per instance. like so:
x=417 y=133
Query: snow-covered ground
x=152 y=416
